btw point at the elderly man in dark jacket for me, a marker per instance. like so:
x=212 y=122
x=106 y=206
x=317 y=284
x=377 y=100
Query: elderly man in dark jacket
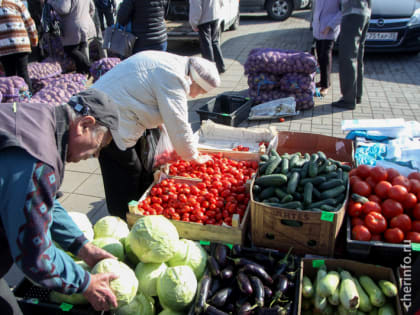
x=147 y=23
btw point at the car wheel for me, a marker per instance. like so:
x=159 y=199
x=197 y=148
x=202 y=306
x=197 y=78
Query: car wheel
x=235 y=24
x=279 y=10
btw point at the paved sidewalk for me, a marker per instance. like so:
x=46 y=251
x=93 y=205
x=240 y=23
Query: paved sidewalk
x=391 y=88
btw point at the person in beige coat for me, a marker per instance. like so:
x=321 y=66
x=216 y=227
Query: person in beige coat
x=78 y=28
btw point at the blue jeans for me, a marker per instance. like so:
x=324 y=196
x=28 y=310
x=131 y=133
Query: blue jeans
x=162 y=46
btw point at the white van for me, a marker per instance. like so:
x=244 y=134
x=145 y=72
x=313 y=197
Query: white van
x=179 y=28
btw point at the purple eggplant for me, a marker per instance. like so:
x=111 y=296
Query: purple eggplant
x=202 y=294
x=244 y=283
x=226 y=273
x=220 y=297
x=211 y=310
x=258 y=288
x=245 y=309
x=220 y=253
x=213 y=266
x=258 y=271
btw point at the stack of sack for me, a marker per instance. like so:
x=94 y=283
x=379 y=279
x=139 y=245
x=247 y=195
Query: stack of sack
x=58 y=90
x=278 y=73
x=102 y=66
x=14 y=89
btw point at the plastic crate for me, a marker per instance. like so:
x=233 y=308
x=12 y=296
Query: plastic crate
x=375 y=252
x=34 y=300
x=226 y=109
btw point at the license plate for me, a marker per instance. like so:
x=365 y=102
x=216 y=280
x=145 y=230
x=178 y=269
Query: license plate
x=382 y=36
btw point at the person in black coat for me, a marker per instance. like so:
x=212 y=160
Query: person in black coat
x=147 y=23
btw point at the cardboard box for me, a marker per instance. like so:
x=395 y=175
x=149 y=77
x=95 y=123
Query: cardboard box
x=315 y=232
x=234 y=234
x=309 y=267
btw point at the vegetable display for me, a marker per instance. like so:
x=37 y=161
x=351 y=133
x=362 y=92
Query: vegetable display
x=246 y=280
x=340 y=292
x=111 y=226
x=44 y=70
x=384 y=205
x=102 y=66
x=305 y=182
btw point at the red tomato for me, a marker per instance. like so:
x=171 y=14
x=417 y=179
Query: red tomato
x=403 y=181
x=401 y=221
x=353 y=172
x=391 y=208
x=375 y=198
x=363 y=170
x=398 y=192
x=355 y=209
x=357 y=221
x=414 y=175
x=410 y=201
x=394 y=235
x=413 y=236
x=362 y=188
x=361 y=233
x=371 y=182
x=416 y=212
x=354 y=179
x=376 y=237
x=281 y=119
x=415 y=226
x=379 y=173
x=415 y=186
x=375 y=222
x=381 y=188
x=392 y=172
x=371 y=206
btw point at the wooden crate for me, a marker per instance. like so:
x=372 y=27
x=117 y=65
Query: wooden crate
x=316 y=232
x=309 y=267
x=234 y=234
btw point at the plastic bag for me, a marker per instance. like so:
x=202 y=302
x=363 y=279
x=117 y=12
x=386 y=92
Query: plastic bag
x=165 y=152
x=273 y=109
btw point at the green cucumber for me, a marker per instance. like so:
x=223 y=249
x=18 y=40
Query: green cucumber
x=264 y=157
x=271 y=200
x=287 y=198
x=279 y=193
x=293 y=160
x=307 y=194
x=329 y=208
x=256 y=189
x=284 y=165
x=304 y=170
x=322 y=155
x=292 y=182
x=330 y=184
x=271 y=180
x=333 y=192
x=267 y=193
x=313 y=165
x=315 y=180
x=318 y=204
x=291 y=205
x=358 y=198
x=272 y=165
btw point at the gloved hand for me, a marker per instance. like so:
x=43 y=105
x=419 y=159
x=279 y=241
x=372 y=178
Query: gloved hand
x=201 y=159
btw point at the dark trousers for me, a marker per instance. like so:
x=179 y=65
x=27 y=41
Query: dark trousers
x=107 y=14
x=78 y=54
x=324 y=54
x=127 y=174
x=17 y=64
x=351 y=51
x=209 y=34
x=8 y=302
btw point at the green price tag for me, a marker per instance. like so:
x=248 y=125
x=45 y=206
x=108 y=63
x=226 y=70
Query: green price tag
x=224 y=114
x=66 y=307
x=317 y=263
x=327 y=216
x=33 y=301
x=229 y=245
x=204 y=243
x=415 y=247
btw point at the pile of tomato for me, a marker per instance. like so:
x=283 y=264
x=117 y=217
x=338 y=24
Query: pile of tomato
x=214 y=200
x=391 y=212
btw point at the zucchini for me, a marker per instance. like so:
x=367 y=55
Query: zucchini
x=271 y=180
x=387 y=309
x=365 y=304
x=307 y=194
x=292 y=182
x=330 y=184
x=358 y=198
x=333 y=192
x=341 y=310
x=388 y=288
x=328 y=284
x=334 y=299
x=319 y=301
x=267 y=193
x=306 y=304
x=307 y=287
x=349 y=297
x=377 y=298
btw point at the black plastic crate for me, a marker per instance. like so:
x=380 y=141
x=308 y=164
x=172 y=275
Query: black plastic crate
x=375 y=252
x=34 y=300
x=226 y=109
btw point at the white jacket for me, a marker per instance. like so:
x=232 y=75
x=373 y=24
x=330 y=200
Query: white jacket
x=151 y=88
x=203 y=11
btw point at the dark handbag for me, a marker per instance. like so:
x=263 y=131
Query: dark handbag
x=50 y=22
x=118 y=41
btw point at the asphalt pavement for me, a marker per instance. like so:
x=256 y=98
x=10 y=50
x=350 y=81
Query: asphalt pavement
x=391 y=90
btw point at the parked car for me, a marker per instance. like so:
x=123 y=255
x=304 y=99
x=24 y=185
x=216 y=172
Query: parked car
x=278 y=10
x=394 y=26
x=179 y=28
